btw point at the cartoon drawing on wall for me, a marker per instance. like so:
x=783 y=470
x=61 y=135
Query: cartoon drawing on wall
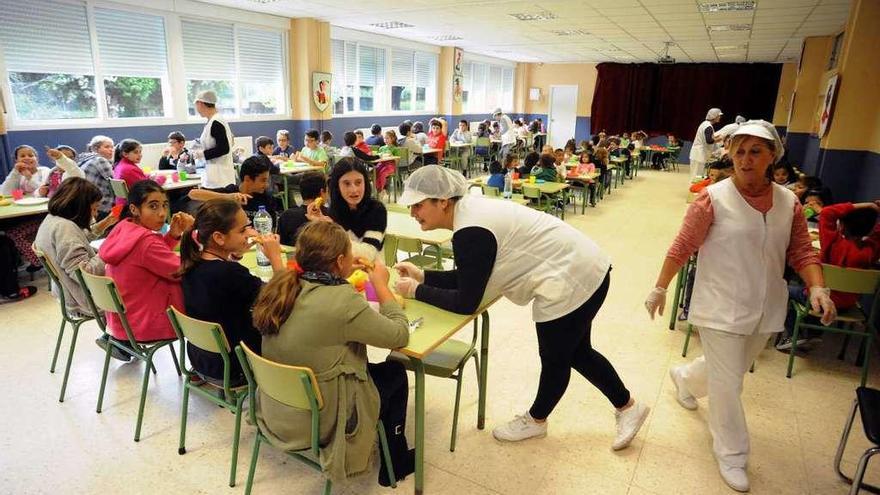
x=828 y=105
x=321 y=89
x=456 y=66
x=456 y=88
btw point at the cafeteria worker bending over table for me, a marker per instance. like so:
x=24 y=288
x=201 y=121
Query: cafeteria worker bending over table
x=504 y=248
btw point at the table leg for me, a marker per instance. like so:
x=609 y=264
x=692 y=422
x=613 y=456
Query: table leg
x=419 y=369
x=484 y=372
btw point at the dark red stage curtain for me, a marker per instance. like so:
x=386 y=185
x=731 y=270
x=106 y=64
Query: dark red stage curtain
x=674 y=98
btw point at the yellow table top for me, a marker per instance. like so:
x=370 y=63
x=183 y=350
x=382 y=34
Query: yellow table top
x=291 y=168
x=403 y=225
x=16 y=211
x=545 y=188
x=586 y=177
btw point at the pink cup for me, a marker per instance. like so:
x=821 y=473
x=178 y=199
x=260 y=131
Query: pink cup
x=17 y=194
x=175 y=177
x=160 y=179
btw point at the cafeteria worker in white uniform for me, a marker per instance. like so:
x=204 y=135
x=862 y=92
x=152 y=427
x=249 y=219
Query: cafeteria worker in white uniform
x=746 y=229
x=502 y=248
x=216 y=140
x=704 y=142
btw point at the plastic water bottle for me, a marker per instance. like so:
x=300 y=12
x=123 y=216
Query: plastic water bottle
x=508 y=186
x=263 y=225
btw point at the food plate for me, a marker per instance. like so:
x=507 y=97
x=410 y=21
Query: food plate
x=31 y=201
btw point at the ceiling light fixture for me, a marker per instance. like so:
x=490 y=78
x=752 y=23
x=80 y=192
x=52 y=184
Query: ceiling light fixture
x=263 y=2
x=729 y=27
x=570 y=32
x=731 y=47
x=447 y=37
x=666 y=58
x=739 y=6
x=537 y=16
x=391 y=25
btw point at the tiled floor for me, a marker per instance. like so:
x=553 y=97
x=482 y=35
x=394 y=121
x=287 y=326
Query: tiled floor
x=47 y=447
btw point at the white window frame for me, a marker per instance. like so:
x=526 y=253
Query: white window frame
x=174 y=95
x=382 y=93
x=506 y=100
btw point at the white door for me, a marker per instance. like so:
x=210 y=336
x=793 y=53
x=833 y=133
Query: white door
x=563 y=115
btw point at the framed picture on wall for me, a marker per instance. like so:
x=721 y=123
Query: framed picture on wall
x=456 y=61
x=828 y=105
x=456 y=88
x=321 y=89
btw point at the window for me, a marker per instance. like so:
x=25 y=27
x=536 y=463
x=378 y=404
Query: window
x=209 y=63
x=401 y=80
x=48 y=60
x=486 y=87
x=426 y=81
x=413 y=80
x=359 y=77
x=134 y=69
x=261 y=71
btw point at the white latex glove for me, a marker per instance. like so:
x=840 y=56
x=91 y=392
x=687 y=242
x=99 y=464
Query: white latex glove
x=198 y=154
x=656 y=301
x=820 y=301
x=409 y=270
x=406 y=287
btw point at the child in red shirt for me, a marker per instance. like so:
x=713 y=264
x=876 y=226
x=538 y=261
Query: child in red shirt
x=854 y=243
x=437 y=141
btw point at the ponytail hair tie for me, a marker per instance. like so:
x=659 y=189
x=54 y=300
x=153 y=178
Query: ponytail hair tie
x=195 y=238
x=293 y=265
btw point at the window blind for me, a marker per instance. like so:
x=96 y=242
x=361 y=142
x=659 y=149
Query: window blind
x=123 y=54
x=337 y=52
x=260 y=56
x=208 y=51
x=401 y=68
x=426 y=70
x=45 y=37
x=371 y=63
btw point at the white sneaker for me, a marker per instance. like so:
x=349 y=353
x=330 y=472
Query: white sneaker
x=684 y=398
x=520 y=428
x=735 y=478
x=628 y=423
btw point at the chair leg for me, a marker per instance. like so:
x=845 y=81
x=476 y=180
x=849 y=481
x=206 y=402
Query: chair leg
x=794 y=337
x=254 y=456
x=477 y=366
x=58 y=345
x=184 y=409
x=174 y=357
x=104 y=378
x=146 y=382
x=676 y=296
x=69 y=359
x=328 y=486
x=860 y=473
x=455 y=409
x=841 y=356
x=869 y=339
x=687 y=340
x=386 y=454
x=235 y=438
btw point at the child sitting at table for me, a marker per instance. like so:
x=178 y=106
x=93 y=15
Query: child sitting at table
x=326 y=141
x=546 y=169
x=311 y=316
x=174 y=152
x=127 y=159
x=529 y=162
x=783 y=174
x=64 y=169
x=436 y=140
x=219 y=289
x=375 y=138
x=27 y=175
x=600 y=160
x=385 y=169
x=250 y=193
x=360 y=144
x=718 y=171
x=418 y=130
x=496 y=177
x=815 y=201
x=312 y=186
x=806 y=183
x=408 y=141
x=351 y=149
x=311 y=153
x=585 y=167
x=143 y=265
x=284 y=149
x=849 y=236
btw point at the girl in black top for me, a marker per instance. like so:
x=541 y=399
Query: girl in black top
x=216 y=287
x=353 y=207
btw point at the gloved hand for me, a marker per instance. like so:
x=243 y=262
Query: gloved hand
x=407 y=269
x=656 y=301
x=406 y=287
x=198 y=154
x=820 y=301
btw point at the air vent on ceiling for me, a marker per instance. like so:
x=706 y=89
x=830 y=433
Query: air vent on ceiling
x=536 y=16
x=731 y=47
x=447 y=37
x=570 y=32
x=738 y=6
x=717 y=28
x=391 y=25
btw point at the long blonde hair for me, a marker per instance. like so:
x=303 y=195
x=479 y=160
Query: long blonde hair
x=318 y=246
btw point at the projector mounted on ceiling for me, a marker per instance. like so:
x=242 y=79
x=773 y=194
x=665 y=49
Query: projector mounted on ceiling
x=665 y=58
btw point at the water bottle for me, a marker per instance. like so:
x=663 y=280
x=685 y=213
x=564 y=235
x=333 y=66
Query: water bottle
x=263 y=225
x=508 y=186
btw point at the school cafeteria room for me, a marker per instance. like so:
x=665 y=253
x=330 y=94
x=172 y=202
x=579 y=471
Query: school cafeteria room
x=277 y=246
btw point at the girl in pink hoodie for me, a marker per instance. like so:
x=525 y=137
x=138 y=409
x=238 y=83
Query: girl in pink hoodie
x=142 y=263
x=127 y=159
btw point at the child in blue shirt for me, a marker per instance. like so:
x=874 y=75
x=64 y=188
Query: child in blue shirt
x=497 y=177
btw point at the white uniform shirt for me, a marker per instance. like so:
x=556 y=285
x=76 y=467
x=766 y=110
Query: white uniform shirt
x=220 y=171
x=701 y=151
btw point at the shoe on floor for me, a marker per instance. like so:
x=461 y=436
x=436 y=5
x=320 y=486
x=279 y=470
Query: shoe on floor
x=684 y=398
x=735 y=478
x=520 y=428
x=629 y=421
x=23 y=293
x=115 y=352
x=786 y=343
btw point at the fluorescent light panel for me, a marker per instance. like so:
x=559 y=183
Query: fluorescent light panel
x=536 y=16
x=729 y=27
x=391 y=25
x=739 y=6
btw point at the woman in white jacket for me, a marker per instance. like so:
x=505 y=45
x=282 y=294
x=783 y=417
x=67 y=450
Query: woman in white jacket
x=746 y=228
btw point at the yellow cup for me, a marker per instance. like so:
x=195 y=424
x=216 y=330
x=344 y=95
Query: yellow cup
x=532 y=179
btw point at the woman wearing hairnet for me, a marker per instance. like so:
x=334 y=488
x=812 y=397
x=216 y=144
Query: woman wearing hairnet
x=746 y=229
x=502 y=248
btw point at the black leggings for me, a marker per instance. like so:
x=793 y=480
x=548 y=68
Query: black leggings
x=392 y=383
x=564 y=343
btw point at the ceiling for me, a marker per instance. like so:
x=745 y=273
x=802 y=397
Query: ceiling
x=591 y=30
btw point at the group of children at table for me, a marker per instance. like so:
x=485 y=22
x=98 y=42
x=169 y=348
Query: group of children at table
x=306 y=315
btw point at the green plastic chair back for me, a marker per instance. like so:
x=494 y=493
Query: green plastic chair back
x=397 y=208
x=490 y=191
x=120 y=188
x=51 y=270
x=852 y=280
x=483 y=142
x=205 y=335
x=403 y=153
x=409 y=245
x=531 y=192
x=283 y=382
x=103 y=293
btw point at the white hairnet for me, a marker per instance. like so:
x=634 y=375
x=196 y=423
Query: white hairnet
x=713 y=113
x=762 y=129
x=432 y=182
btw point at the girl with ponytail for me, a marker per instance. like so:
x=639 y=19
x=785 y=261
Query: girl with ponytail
x=311 y=316
x=216 y=287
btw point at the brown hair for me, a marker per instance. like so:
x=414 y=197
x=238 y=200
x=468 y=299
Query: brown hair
x=737 y=141
x=214 y=215
x=601 y=155
x=74 y=199
x=318 y=246
x=393 y=135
